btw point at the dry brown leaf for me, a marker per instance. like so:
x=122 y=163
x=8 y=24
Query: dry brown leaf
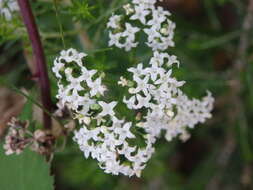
x=57 y=129
x=11 y=106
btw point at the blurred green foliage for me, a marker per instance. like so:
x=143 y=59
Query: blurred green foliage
x=206 y=42
x=27 y=171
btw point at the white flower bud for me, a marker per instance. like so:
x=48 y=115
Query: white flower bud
x=129 y=10
x=131 y=90
x=170 y=113
x=39 y=134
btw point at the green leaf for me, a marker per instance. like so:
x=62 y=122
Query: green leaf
x=26 y=114
x=27 y=171
x=81 y=10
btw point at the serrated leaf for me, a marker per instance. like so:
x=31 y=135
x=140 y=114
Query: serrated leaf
x=27 y=171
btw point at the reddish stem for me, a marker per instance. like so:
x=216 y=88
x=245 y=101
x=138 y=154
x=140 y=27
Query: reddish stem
x=40 y=60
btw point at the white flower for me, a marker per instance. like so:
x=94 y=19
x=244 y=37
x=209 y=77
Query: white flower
x=143 y=101
x=159 y=16
x=172 y=60
x=71 y=55
x=130 y=103
x=127 y=150
x=96 y=87
x=139 y=71
x=129 y=44
x=124 y=132
x=123 y=82
x=129 y=10
x=142 y=84
x=165 y=78
x=158 y=58
x=107 y=109
x=140 y=13
x=87 y=74
x=130 y=31
x=7 y=8
x=57 y=67
x=75 y=87
x=115 y=40
x=152 y=33
x=114 y=21
x=154 y=71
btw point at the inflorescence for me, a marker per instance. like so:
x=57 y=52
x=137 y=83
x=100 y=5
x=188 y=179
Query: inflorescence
x=144 y=17
x=121 y=146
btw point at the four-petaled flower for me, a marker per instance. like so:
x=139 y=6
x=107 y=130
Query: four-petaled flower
x=107 y=109
x=140 y=14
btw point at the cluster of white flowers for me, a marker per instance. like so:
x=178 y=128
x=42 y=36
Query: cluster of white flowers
x=7 y=7
x=103 y=135
x=121 y=146
x=77 y=85
x=153 y=21
x=153 y=88
x=111 y=140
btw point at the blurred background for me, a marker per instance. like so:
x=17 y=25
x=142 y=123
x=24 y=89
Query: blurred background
x=214 y=41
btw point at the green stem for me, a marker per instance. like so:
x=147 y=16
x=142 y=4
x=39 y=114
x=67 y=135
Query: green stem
x=59 y=23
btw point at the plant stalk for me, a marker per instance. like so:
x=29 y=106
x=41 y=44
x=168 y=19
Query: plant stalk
x=40 y=60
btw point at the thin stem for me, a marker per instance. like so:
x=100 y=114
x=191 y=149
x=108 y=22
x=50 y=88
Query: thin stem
x=40 y=60
x=244 y=42
x=59 y=23
x=34 y=102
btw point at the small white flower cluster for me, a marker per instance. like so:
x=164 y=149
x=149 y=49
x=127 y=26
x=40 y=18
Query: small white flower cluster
x=76 y=84
x=167 y=108
x=7 y=7
x=103 y=136
x=153 y=21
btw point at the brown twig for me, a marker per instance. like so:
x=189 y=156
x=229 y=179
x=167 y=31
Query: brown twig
x=33 y=34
